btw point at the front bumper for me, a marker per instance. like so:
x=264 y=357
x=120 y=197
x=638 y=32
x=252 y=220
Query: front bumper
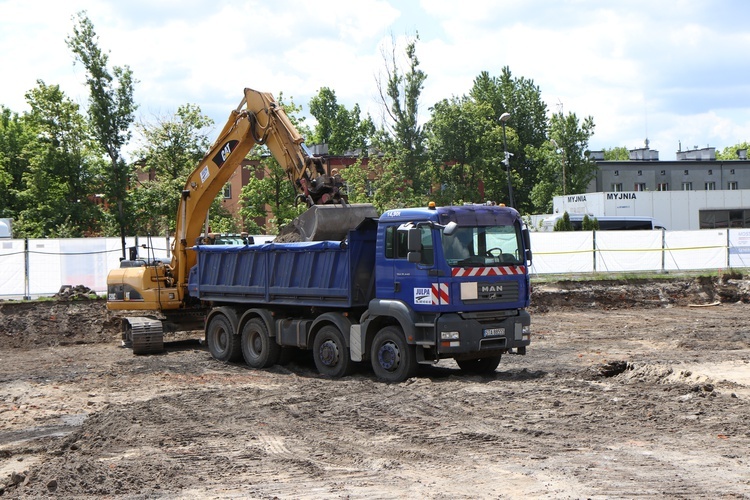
x=459 y=335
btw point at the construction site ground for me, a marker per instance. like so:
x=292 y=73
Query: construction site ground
x=630 y=388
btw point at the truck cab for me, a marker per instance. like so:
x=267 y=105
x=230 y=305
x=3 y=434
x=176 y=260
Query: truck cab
x=456 y=280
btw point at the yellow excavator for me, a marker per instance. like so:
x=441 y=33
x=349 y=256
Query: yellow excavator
x=162 y=287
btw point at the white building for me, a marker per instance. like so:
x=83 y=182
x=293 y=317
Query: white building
x=676 y=210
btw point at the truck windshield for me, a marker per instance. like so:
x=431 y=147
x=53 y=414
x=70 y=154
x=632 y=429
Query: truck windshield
x=487 y=246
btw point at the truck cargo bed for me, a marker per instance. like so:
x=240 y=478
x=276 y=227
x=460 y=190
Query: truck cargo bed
x=329 y=274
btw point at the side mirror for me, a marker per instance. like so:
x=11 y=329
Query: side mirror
x=527 y=243
x=450 y=228
x=414 y=240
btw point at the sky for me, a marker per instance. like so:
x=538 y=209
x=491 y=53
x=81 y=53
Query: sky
x=675 y=72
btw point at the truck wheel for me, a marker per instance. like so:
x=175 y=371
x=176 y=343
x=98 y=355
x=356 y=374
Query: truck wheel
x=223 y=344
x=258 y=348
x=393 y=360
x=330 y=353
x=481 y=366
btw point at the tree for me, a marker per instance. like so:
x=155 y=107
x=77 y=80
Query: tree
x=563 y=223
x=342 y=130
x=455 y=141
x=268 y=187
x=15 y=134
x=172 y=148
x=63 y=169
x=572 y=136
x=732 y=152
x=402 y=138
x=618 y=153
x=527 y=127
x=111 y=111
x=589 y=223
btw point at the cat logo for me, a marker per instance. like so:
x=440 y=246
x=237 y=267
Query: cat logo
x=224 y=153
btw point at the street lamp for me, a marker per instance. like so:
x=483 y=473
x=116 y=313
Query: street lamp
x=504 y=118
x=563 y=161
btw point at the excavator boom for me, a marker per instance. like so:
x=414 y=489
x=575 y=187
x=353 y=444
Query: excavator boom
x=258 y=120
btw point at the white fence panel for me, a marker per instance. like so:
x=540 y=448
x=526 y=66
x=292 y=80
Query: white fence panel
x=12 y=268
x=690 y=250
x=569 y=252
x=739 y=247
x=625 y=251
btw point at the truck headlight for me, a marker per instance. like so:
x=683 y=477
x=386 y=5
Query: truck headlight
x=449 y=335
x=526 y=332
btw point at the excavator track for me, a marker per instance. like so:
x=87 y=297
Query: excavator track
x=143 y=335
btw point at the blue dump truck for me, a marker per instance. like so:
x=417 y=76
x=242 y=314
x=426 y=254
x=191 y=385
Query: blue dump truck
x=412 y=286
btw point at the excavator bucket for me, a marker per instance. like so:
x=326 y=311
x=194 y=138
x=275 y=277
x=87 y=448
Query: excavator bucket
x=326 y=222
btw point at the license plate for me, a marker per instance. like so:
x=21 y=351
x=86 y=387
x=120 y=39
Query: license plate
x=494 y=332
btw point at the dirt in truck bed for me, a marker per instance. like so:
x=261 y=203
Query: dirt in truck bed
x=630 y=388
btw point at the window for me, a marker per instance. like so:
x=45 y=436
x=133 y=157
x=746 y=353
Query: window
x=640 y=172
x=731 y=171
x=640 y=186
x=662 y=186
x=617 y=187
x=396 y=244
x=732 y=185
x=617 y=173
x=710 y=186
x=710 y=172
x=227 y=191
x=686 y=172
x=713 y=219
x=687 y=186
x=369 y=187
x=663 y=172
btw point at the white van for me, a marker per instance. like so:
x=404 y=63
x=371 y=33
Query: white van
x=606 y=222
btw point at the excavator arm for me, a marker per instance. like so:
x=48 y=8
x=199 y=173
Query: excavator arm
x=258 y=119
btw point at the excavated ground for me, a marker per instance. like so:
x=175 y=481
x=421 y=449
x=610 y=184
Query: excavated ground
x=634 y=388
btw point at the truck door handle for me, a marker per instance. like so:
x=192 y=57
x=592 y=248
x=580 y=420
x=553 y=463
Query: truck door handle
x=396 y=286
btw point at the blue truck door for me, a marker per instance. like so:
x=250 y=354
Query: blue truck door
x=416 y=284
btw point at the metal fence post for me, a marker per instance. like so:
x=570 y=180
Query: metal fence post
x=663 y=250
x=729 y=257
x=593 y=238
x=26 y=281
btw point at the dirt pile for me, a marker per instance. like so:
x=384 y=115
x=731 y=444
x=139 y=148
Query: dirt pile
x=56 y=322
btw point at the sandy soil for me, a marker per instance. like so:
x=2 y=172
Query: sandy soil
x=629 y=389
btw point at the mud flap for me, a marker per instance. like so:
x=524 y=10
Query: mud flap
x=143 y=335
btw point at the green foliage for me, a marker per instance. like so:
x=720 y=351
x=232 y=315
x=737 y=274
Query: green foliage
x=403 y=139
x=269 y=194
x=342 y=130
x=730 y=152
x=111 y=110
x=563 y=223
x=572 y=136
x=357 y=183
x=455 y=140
x=171 y=149
x=589 y=223
x=618 y=153
x=527 y=127
x=62 y=169
x=15 y=136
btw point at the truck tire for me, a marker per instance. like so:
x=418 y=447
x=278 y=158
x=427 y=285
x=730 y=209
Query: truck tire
x=481 y=366
x=258 y=348
x=331 y=354
x=222 y=342
x=393 y=359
